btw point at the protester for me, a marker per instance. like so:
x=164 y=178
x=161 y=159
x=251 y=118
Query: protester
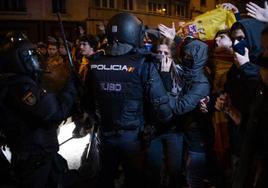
x=57 y=70
x=88 y=47
x=165 y=150
x=252 y=166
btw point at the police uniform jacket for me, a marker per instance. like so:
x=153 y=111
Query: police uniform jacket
x=29 y=115
x=118 y=87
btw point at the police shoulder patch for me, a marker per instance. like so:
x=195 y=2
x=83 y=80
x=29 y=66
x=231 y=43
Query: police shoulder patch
x=29 y=98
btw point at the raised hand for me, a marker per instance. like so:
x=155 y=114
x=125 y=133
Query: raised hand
x=221 y=102
x=230 y=6
x=167 y=31
x=257 y=12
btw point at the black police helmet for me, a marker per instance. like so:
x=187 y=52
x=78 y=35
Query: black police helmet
x=18 y=55
x=125 y=28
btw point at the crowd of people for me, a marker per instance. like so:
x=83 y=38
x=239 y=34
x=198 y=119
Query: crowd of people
x=169 y=110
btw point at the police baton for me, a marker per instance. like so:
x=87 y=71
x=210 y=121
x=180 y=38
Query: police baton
x=64 y=40
x=77 y=76
x=66 y=141
x=92 y=145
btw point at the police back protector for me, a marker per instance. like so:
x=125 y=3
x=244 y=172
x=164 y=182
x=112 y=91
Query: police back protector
x=118 y=88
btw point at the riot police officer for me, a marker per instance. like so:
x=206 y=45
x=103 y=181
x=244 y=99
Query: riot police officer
x=118 y=84
x=29 y=115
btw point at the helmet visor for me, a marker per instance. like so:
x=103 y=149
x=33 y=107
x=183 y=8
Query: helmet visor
x=34 y=62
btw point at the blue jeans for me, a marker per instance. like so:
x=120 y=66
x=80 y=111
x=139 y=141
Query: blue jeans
x=196 y=165
x=122 y=149
x=164 y=160
x=199 y=142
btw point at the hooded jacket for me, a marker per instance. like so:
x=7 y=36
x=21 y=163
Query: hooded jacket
x=195 y=87
x=245 y=79
x=252 y=29
x=195 y=83
x=242 y=83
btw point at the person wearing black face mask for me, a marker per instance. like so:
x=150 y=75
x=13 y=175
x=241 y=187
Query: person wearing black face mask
x=253 y=163
x=239 y=45
x=197 y=129
x=242 y=81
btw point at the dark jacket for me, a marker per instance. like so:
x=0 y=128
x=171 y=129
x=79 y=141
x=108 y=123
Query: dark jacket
x=198 y=130
x=252 y=29
x=195 y=85
x=242 y=83
x=254 y=147
x=30 y=116
x=119 y=83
